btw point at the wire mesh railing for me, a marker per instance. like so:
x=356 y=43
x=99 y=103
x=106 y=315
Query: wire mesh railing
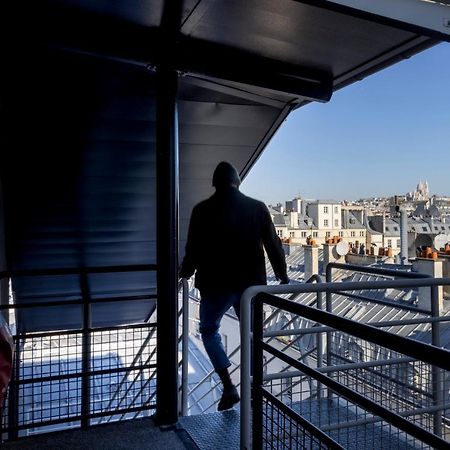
x=83 y=376
x=365 y=388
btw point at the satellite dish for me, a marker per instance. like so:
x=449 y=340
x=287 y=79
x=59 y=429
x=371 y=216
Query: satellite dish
x=342 y=248
x=440 y=240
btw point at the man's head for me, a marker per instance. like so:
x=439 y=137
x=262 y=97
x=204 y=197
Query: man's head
x=225 y=175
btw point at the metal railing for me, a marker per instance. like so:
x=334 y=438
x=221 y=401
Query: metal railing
x=183 y=341
x=83 y=376
x=209 y=378
x=345 y=379
x=203 y=396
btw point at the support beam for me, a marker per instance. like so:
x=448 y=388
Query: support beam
x=197 y=56
x=116 y=38
x=167 y=245
x=427 y=17
x=167 y=199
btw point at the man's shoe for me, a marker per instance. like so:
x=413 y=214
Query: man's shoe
x=229 y=398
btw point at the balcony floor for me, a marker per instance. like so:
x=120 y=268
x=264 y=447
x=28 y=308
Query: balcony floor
x=218 y=431
x=129 y=435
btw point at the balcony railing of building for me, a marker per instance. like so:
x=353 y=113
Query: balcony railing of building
x=353 y=385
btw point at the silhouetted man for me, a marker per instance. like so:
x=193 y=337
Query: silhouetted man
x=227 y=236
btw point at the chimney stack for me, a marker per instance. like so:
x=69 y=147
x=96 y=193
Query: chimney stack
x=293 y=219
x=403 y=236
x=433 y=267
x=330 y=255
x=311 y=261
x=446 y=274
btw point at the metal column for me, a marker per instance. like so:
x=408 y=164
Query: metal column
x=167 y=244
x=86 y=352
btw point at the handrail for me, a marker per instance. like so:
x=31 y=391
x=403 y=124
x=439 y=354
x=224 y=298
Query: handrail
x=328 y=287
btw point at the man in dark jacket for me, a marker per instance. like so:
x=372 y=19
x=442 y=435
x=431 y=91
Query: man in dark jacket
x=227 y=236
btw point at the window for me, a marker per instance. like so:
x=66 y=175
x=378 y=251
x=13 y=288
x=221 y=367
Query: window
x=303 y=233
x=341 y=234
x=398 y=243
x=315 y=234
x=352 y=233
x=328 y=234
x=325 y=223
x=325 y=209
x=389 y=242
x=443 y=228
x=336 y=222
x=395 y=228
x=280 y=233
x=352 y=221
x=436 y=228
x=336 y=209
x=361 y=233
x=424 y=228
x=291 y=234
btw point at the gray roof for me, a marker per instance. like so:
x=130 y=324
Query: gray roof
x=326 y=202
x=279 y=220
x=363 y=310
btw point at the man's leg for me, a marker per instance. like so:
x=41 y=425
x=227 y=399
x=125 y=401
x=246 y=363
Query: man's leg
x=212 y=310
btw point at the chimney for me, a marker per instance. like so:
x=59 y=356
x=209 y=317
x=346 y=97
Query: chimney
x=330 y=255
x=446 y=274
x=433 y=267
x=311 y=261
x=403 y=236
x=293 y=219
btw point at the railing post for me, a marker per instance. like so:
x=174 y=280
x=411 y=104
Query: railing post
x=319 y=344
x=329 y=308
x=438 y=394
x=85 y=352
x=13 y=394
x=246 y=382
x=257 y=424
x=185 y=347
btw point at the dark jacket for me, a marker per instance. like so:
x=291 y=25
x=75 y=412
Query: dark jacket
x=225 y=246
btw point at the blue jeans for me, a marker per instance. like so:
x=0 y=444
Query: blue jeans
x=212 y=309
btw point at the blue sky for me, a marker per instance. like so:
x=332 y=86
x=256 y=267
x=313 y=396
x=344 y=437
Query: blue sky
x=377 y=137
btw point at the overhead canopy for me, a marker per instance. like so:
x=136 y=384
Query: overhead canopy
x=78 y=105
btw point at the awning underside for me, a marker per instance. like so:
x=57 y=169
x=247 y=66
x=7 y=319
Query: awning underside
x=79 y=173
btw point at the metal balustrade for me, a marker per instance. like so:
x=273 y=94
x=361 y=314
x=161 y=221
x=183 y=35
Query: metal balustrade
x=364 y=388
x=210 y=379
x=83 y=376
x=210 y=385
